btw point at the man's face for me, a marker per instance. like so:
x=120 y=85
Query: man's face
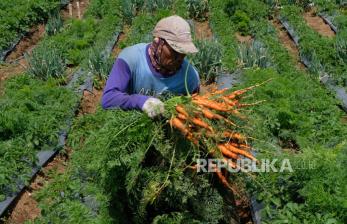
x=170 y=58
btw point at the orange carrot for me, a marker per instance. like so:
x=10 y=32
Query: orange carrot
x=201 y=123
x=241 y=152
x=220 y=91
x=181 y=116
x=212 y=105
x=233 y=135
x=177 y=123
x=223 y=180
x=182 y=110
x=208 y=114
x=191 y=138
x=237 y=93
x=226 y=152
x=231 y=103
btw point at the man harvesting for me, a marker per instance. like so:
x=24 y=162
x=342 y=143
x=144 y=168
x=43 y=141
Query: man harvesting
x=144 y=71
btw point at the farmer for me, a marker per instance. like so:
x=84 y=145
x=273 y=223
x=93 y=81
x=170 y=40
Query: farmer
x=144 y=71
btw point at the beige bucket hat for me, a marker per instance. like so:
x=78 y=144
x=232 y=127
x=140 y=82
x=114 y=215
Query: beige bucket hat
x=176 y=31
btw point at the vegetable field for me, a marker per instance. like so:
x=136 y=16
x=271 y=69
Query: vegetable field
x=264 y=141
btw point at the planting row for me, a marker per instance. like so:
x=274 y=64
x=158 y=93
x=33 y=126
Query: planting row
x=325 y=54
x=17 y=17
x=32 y=113
x=299 y=122
x=35 y=107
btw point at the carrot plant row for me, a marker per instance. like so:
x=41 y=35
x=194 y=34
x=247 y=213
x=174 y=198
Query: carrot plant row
x=299 y=122
x=323 y=53
x=17 y=17
x=34 y=109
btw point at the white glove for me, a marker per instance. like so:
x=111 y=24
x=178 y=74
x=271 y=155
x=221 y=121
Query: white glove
x=153 y=107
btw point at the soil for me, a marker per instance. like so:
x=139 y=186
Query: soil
x=344 y=119
x=318 y=24
x=202 y=30
x=208 y=88
x=122 y=37
x=243 y=206
x=90 y=102
x=83 y=6
x=26 y=207
x=27 y=43
x=289 y=44
x=289 y=145
x=243 y=39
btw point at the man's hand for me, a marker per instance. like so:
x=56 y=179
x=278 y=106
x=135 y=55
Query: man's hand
x=153 y=107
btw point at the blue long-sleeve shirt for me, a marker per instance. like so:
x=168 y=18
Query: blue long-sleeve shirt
x=133 y=79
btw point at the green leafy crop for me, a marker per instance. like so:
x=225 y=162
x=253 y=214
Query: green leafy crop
x=17 y=17
x=32 y=114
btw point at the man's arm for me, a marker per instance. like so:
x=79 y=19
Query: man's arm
x=115 y=93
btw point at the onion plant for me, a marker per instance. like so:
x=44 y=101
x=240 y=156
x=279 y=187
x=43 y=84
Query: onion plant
x=54 y=23
x=46 y=61
x=253 y=55
x=208 y=60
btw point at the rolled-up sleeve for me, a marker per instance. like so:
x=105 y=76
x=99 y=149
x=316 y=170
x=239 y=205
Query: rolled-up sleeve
x=116 y=92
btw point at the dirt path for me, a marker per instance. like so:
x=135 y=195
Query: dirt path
x=202 y=30
x=27 y=43
x=243 y=39
x=318 y=24
x=90 y=102
x=122 y=37
x=289 y=44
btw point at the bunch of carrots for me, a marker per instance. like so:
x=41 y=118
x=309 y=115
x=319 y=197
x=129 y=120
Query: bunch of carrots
x=213 y=118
